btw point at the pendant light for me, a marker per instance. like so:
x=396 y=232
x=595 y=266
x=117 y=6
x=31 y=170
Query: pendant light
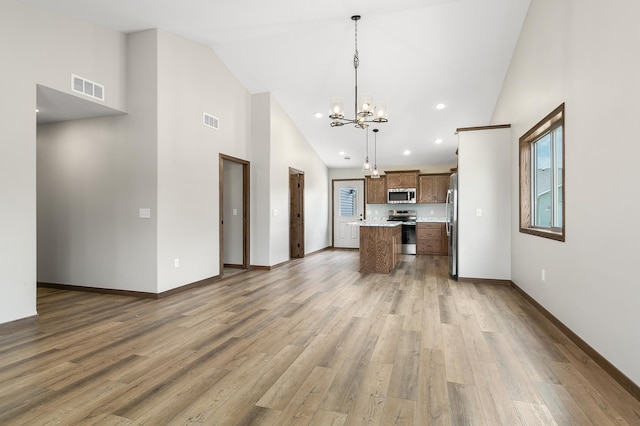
x=366 y=166
x=375 y=174
x=364 y=107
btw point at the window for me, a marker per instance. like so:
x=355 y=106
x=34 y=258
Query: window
x=542 y=178
x=348 y=203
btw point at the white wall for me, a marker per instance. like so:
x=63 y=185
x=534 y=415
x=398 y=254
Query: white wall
x=260 y=179
x=290 y=149
x=93 y=177
x=39 y=47
x=583 y=54
x=159 y=156
x=484 y=179
x=276 y=145
x=192 y=80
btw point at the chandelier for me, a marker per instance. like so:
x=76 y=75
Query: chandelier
x=365 y=111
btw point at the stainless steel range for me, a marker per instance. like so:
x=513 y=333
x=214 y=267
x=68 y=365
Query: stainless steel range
x=408 y=219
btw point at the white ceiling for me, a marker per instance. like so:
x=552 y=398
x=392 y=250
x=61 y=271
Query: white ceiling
x=414 y=54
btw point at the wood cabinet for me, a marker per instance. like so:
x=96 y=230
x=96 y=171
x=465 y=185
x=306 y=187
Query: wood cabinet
x=402 y=179
x=431 y=238
x=433 y=188
x=376 y=190
x=380 y=248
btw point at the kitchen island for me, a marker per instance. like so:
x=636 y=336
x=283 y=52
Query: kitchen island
x=380 y=246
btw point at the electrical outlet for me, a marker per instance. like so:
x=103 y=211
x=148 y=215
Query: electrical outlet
x=176 y=263
x=543 y=275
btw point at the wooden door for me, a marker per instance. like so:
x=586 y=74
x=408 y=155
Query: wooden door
x=296 y=213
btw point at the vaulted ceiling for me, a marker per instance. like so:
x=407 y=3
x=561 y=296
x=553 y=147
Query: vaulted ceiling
x=414 y=54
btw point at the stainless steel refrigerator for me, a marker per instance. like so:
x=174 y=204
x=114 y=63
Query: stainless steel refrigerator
x=452 y=224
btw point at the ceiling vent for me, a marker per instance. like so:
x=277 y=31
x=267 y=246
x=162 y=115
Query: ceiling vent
x=211 y=121
x=87 y=87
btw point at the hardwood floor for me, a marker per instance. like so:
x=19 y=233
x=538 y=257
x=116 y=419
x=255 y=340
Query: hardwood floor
x=313 y=342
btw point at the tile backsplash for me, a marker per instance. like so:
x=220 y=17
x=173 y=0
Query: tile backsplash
x=381 y=211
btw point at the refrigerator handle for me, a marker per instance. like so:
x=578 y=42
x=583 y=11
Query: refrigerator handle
x=446 y=213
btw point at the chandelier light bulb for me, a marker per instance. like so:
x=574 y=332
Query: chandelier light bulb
x=366 y=106
x=336 y=110
x=380 y=113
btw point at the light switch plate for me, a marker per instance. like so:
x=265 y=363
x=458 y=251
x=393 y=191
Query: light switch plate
x=478 y=212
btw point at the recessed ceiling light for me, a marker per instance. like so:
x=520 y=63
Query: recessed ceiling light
x=406 y=152
x=341 y=153
x=438 y=141
x=441 y=106
x=318 y=115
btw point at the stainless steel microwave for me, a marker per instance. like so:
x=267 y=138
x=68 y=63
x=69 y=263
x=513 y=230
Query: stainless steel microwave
x=401 y=195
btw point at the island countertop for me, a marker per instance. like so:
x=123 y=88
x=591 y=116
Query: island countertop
x=375 y=223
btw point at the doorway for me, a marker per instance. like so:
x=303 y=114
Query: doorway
x=348 y=206
x=234 y=214
x=296 y=213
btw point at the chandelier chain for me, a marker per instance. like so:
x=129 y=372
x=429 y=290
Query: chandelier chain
x=356 y=57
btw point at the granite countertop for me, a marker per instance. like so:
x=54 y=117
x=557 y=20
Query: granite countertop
x=375 y=223
x=431 y=219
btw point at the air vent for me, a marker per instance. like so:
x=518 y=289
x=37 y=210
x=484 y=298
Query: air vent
x=87 y=87
x=211 y=121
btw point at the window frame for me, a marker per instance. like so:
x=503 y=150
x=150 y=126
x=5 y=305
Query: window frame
x=547 y=125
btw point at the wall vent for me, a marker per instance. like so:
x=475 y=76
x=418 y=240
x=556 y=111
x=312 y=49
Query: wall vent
x=211 y=121
x=87 y=87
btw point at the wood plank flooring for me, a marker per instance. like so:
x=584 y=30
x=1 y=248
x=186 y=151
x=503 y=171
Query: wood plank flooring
x=311 y=343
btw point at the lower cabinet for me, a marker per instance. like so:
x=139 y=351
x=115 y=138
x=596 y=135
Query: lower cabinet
x=431 y=238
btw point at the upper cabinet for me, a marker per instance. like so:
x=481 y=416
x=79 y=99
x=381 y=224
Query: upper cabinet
x=433 y=188
x=402 y=179
x=376 y=190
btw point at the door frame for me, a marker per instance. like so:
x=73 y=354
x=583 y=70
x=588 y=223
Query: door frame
x=246 y=188
x=364 y=202
x=298 y=224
